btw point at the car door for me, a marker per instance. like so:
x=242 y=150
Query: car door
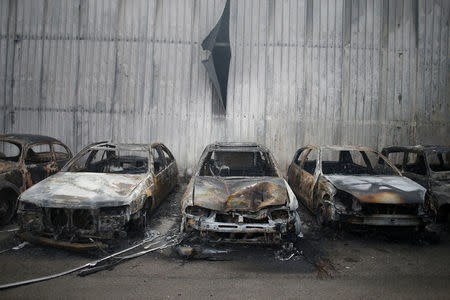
x=39 y=163
x=294 y=170
x=171 y=168
x=308 y=178
x=61 y=153
x=159 y=181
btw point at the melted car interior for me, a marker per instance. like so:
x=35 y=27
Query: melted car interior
x=354 y=162
x=439 y=161
x=111 y=161
x=237 y=163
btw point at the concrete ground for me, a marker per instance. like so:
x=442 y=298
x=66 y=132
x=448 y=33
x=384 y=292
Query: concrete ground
x=326 y=263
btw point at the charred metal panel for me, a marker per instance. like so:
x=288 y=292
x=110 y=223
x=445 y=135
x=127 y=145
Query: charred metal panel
x=366 y=197
x=218 y=63
x=248 y=209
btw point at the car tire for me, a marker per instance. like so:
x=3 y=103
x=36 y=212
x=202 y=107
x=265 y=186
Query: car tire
x=8 y=204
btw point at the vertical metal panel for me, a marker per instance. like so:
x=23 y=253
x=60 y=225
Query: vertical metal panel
x=302 y=72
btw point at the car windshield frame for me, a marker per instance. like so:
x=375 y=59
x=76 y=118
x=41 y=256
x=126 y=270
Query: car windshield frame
x=379 y=157
x=270 y=161
x=112 y=147
x=428 y=158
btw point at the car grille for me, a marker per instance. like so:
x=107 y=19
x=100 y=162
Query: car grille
x=390 y=209
x=230 y=218
x=70 y=218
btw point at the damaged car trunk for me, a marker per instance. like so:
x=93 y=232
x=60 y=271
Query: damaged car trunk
x=238 y=195
x=103 y=193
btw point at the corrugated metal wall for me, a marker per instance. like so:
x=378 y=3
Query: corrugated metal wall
x=329 y=72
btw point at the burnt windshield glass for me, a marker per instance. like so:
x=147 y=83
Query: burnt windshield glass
x=116 y=161
x=439 y=161
x=9 y=151
x=354 y=162
x=234 y=163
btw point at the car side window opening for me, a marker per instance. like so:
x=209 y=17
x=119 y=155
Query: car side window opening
x=158 y=160
x=10 y=151
x=38 y=154
x=61 y=152
x=114 y=161
x=237 y=163
x=298 y=156
x=415 y=163
x=309 y=165
x=439 y=161
x=354 y=162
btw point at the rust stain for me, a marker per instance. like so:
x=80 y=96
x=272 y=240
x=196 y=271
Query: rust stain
x=28 y=182
x=381 y=198
x=254 y=197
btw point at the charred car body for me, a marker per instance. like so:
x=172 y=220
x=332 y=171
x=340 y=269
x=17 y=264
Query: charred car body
x=355 y=185
x=26 y=159
x=430 y=167
x=238 y=195
x=98 y=195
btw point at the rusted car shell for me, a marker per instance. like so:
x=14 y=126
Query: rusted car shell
x=386 y=195
x=81 y=210
x=16 y=177
x=379 y=189
x=436 y=183
x=252 y=206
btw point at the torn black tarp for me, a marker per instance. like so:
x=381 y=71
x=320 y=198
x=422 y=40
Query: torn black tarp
x=218 y=63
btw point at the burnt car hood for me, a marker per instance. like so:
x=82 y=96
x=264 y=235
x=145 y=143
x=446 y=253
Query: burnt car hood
x=83 y=190
x=6 y=165
x=239 y=194
x=379 y=189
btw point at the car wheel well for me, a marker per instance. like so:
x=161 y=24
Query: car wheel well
x=8 y=197
x=444 y=213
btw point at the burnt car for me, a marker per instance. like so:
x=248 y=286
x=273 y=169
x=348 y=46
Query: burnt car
x=106 y=190
x=430 y=167
x=26 y=159
x=238 y=195
x=355 y=185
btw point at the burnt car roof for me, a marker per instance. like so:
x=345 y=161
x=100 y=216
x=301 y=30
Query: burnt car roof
x=339 y=148
x=123 y=146
x=425 y=148
x=238 y=147
x=26 y=139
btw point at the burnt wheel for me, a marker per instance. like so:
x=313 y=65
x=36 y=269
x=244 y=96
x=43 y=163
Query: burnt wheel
x=8 y=201
x=321 y=215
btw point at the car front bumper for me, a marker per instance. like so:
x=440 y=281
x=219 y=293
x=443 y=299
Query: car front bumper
x=385 y=220
x=271 y=231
